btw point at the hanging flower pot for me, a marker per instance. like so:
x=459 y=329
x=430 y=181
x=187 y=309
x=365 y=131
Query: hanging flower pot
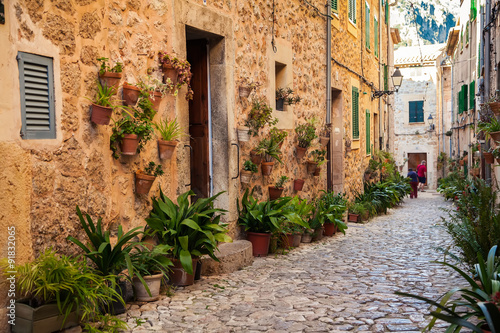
x=280 y=104
x=495 y=107
x=298 y=184
x=495 y=136
x=130 y=94
x=260 y=243
x=488 y=158
x=166 y=149
x=323 y=140
x=267 y=167
x=101 y=115
x=143 y=183
x=311 y=167
x=256 y=158
x=275 y=192
x=129 y=144
x=245 y=176
x=330 y=229
x=474 y=172
x=244 y=91
x=156 y=100
x=317 y=171
x=170 y=73
x=243 y=135
x=300 y=152
x=111 y=79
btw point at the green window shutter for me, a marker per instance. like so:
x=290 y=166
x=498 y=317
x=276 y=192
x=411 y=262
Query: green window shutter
x=478 y=60
x=386 y=77
x=460 y=102
x=467 y=33
x=473 y=10
x=355 y=113
x=368 y=134
x=472 y=94
x=375 y=35
x=352 y=11
x=465 y=102
x=416 y=111
x=420 y=111
x=387 y=12
x=334 y=6
x=367 y=25
x=36 y=82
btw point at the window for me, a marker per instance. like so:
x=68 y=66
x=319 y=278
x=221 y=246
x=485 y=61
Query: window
x=465 y=101
x=375 y=36
x=416 y=110
x=352 y=11
x=368 y=130
x=36 y=81
x=460 y=102
x=472 y=94
x=335 y=8
x=355 y=113
x=473 y=10
x=367 y=25
x=387 y=12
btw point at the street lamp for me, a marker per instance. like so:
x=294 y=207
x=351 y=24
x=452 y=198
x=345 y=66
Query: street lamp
x=397 y=80
x=431 y=122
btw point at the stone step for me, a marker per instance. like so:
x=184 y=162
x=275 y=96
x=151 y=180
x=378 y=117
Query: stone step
x=233 y=256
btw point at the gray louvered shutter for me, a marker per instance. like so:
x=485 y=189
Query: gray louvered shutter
x=36 y=81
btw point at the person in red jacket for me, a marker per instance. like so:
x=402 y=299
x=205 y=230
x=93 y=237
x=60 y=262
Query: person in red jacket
x=422 y=175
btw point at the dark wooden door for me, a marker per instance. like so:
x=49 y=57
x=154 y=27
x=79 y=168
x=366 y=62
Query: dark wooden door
x=198 y=117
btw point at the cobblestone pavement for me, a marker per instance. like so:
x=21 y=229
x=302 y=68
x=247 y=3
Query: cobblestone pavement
x=344 y=283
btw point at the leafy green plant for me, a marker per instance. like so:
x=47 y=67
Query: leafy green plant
x=306 y=133
x=489 y=126
x=184 y=73
x=248 y=83
x=104 y=67
x=250 y=166
x=154 y=261
x=281 y=181
x=319 y=156
x=154 y=169
x=260 y=116
x=278 y=135
x=192 y=229
x=270 y=149
x=287 y=94
x=138 y=124
x=169 y=129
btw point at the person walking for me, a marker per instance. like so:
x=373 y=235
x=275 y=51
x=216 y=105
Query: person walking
x=422 y=175
x=413 y=183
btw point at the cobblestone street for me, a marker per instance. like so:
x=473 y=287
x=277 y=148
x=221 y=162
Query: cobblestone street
x=343 y=283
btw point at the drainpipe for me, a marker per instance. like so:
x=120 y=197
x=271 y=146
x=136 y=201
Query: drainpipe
x=328 y=120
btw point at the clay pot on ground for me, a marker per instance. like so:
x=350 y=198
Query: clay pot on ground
x=243 y=135
x=245 y=176
x=298 y=184
x=143 y=183
x=323 y=140
x=495 y=136
x=156 y=100
x=300 y=152
x=260 y=243
x=296 y=240
x=311 y=167
x=101 y=115
x=275 y=192
x=129 y=144
x=353 y=217
x=153 y=282
x=130 y=94
x=287 y=241
x=307 y=237
x=256 y=158
x=111 y=79
x=171 y=73
x=166 y=149
x=318 y=234
x=488 y=158
x=330 y=229
x=178 y=276
x=45 y=318
x=244 y=91
x=267 y=167
x=317 y=171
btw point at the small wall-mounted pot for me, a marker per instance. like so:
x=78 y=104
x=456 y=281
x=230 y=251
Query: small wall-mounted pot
x=317 y=171
x=130 y=94
x=171 y=73
x=166 y=149
x=101 y=115
x=156 y=100
x=323 y=140
x=311 y=167
x=245 y=176
x=298 y=184
x=267 y=168
x=243 y=135
x=111 y=79
x=255 y=158
x=244 y=91
x=300 y=152
x=143 y=183
x=129 y=144
x=275 y=192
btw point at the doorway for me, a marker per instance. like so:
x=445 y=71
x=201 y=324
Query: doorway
x=336 y=145
x=414 y=160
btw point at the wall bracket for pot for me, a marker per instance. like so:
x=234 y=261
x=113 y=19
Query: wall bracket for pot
x=238 y=159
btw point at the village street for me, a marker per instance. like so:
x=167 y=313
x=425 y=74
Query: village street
x=343 y=283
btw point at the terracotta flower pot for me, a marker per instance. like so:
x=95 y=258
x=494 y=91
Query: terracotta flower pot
x=300 y=152
x=287 y=241
x=311 y=167
x=323 y=140
x=296 y=240
x=474 y=172
x=267 y=167
x=244 y=91
x=306 y=237
x=245 y=176
x=156 y=100
x=318 y=234
x=143 y=183
x=111 y=79
x=495 y=136
x=274 y=192
x=243 y=135
x=178 y=276
x=130 y=94
x=317 y=171
x=498 y=160
x=495 y=108
x=129 y=144
x=256 y=158
x=171 y=73
x=488 y=158
x=101 y=115
x=166 y=149
x=330 y=229
x=298 y=184
x=153 y=282
x=260 y=243
x=353 y=217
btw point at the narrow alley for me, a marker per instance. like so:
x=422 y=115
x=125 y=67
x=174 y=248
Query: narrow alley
x=344 y=283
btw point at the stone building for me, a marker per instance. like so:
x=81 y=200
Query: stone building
x=68 y=162
x=415 y=135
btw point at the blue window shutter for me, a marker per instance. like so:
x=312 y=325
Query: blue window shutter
x=36 y=80
x=412 y=112
x=416 y=111
x=420 y=111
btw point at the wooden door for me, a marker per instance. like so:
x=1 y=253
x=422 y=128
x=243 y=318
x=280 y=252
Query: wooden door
x=198 y=117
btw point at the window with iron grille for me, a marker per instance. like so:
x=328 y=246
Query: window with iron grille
x=36 y=81
x=416 y=111
x=352 y=11
x=355 y=113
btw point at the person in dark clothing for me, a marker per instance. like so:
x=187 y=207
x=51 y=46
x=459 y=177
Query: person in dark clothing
x=413 y=183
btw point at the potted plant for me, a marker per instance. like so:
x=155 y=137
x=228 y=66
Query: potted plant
x=494 y=105
x=246 y=86
x=318 y=158
x=496 y=154
x=285 y=96
x=324 y=136
x=249 y=168
x=276 y=190
x=144 y=179
x=177 y=73
x=302 y=211
x=50 y=290
x=153 y=264
x=270 y=151
x=260 y=115
x=192 y=229
x=110 y=76
x=449 y=133
x=278 y=136
x=305 y=134
x=255 y=157
x=103 y=105
x=298 y=184
x=356 y=210
x=333 y=207
x=153 y=90
x=488 y=156
x=491 y=128
x=243 y=133
x=170 y=131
